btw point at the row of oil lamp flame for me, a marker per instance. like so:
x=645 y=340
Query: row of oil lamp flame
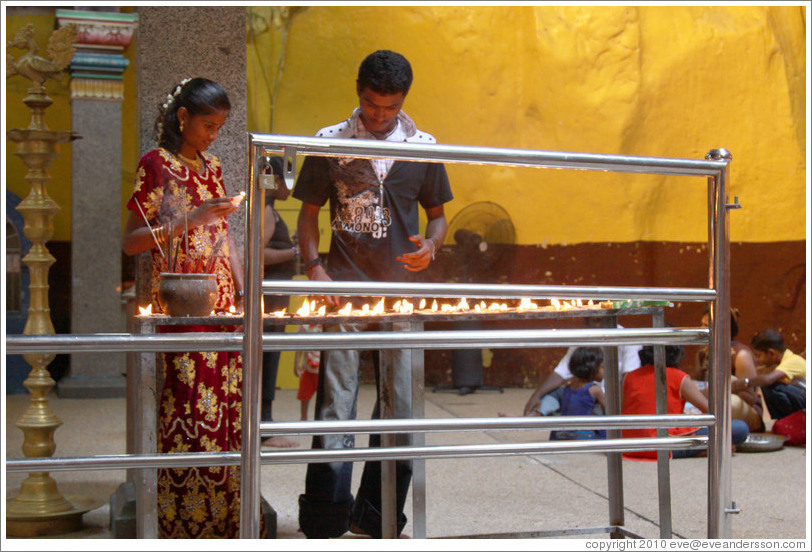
x=402 y=306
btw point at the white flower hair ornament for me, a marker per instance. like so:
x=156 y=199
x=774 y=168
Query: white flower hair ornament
x=171 y=98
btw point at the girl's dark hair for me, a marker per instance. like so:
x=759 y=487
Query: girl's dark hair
x=199 y=96
x=673 y=355
x=585 y=361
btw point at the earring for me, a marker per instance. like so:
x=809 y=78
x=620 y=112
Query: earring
x=181 y=127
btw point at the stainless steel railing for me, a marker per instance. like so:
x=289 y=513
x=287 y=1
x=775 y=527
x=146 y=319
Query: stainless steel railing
x=715 y=167
x=253 y=342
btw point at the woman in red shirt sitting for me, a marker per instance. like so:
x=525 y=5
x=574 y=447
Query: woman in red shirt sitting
x=639 y=398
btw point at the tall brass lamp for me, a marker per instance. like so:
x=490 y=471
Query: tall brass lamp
x=40 y=509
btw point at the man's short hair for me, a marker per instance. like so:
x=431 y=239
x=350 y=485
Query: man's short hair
x=768 y=339
x=385 y=72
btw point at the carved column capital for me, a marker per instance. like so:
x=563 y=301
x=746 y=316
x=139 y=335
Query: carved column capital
x=98 y=66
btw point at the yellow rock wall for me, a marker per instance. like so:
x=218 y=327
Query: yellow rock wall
x=651 y=81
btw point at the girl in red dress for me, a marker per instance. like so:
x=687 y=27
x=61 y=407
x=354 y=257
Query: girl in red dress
x=179 y=188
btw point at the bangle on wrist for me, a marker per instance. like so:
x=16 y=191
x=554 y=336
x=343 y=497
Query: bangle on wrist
x=295 y=251
x=433 y=247
x=747 y=382
x=311 y=264
x=240 y=293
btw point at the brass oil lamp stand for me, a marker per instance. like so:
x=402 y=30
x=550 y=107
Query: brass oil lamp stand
x=39 y=509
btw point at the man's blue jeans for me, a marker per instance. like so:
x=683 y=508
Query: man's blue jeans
x=327 y=508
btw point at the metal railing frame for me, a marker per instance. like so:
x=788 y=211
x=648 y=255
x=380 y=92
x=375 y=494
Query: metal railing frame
x=715 y=167
x=252 y=342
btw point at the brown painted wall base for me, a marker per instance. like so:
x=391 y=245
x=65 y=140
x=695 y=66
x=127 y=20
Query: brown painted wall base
x=768 y=286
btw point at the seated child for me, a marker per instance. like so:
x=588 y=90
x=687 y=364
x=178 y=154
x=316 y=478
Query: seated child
x=582 y=392
x=781 y=375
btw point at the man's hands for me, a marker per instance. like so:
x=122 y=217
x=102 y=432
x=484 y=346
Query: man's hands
x=420 y=259
x=318 y=273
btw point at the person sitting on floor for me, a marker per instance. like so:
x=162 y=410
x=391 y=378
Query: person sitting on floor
x=546 y=399
x=745 y=404
x=639 y=398
x=582 y=392
x=781 y=375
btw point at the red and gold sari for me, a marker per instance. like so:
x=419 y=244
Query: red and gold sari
x=201 y=400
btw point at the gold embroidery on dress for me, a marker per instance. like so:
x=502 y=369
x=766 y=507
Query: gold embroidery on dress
x=207 y=403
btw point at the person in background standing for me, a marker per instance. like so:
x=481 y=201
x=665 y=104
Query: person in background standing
x=280 y=254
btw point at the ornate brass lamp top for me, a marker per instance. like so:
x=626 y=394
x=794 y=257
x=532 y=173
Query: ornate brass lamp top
x=37 y=68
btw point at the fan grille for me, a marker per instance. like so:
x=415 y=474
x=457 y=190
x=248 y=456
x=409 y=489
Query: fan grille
x=485 y=218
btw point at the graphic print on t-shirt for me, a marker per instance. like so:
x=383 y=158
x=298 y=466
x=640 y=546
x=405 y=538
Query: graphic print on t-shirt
x=360 y=208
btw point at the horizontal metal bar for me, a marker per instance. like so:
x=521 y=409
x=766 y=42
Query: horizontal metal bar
x=218 y=341
x=496 y=291
x=612 y=529
x=486 y=316
x=445 y=153
x=485 y=424
x=204 y=459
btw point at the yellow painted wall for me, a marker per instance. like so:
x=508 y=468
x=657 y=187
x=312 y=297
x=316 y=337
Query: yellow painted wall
x=660 y=81
x=652 y=81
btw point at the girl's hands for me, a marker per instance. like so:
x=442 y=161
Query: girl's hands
x=211 y=209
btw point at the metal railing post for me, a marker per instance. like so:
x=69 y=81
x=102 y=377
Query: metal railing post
x=252 y=356
x=719 y=448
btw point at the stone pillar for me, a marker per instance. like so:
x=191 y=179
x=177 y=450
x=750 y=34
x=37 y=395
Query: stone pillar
x=97 y=91
x=197 y=41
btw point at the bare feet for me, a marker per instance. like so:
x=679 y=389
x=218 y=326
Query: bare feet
x=279 y=441
x=506 y=415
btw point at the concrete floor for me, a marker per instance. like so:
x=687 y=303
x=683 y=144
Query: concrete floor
x=473 y=496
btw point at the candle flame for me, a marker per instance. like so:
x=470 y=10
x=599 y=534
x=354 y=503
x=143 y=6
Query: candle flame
x=145 y=311
x=305 y=309
x=527 y=304
x=380 y=308
x=403 y=306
